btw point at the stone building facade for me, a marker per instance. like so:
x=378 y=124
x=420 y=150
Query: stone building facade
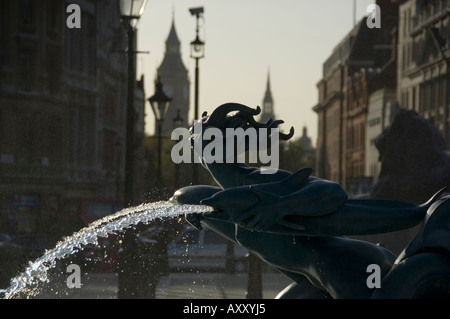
x=343 y=96
x=423 y=61
x=62 y=112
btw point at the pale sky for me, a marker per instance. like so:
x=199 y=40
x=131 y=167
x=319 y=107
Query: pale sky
x=244 y=39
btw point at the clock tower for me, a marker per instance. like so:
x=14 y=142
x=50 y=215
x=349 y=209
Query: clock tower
x=174 y=77
x=267 y=107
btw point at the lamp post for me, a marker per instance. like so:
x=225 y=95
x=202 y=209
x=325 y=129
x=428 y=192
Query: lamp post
x=177 y=122
x=131 y=11
x=197 y=52
x=160 y=104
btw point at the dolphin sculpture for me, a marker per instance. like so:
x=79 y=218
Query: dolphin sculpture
x=305 y=205
x=296 y=223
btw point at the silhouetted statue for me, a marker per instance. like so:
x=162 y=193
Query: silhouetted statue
x=295 y=222
x=414 y=159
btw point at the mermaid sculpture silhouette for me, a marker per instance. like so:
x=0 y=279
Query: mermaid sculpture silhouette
x=295 y=222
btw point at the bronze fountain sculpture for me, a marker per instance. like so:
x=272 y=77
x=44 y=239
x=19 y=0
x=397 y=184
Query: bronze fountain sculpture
x=297 y=222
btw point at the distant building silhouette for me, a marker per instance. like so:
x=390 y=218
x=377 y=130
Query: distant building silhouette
x=268 y=105
x=175 y=79
x=307 y=147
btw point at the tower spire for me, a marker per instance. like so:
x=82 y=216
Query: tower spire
x=175 y=77
x=172 y=42
x=268 y=95
x=267 y=111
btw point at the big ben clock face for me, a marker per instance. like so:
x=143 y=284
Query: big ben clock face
x=168 y=89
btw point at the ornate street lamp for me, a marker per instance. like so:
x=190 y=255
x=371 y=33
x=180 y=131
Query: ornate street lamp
x=197 y=52
x=160 y=104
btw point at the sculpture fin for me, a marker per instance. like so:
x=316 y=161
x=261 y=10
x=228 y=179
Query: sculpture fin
x=286 y=186
x=435 y=232
x=264 y=196
x=299 y=178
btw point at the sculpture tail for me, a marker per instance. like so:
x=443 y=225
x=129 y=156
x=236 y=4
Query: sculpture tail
x=422 y=270
x=434 y=198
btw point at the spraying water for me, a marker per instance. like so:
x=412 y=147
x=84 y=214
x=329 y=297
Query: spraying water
x=113 y=224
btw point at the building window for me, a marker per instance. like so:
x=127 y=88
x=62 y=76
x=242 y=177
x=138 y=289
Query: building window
x=53 y=15
x=26 y=12
x=408 y=21
x=91 y=45
x=26 y=17
x=25 y=70
x=86 y=137
x=405 y=18
x=81 y=46
x=433 y=94
x=109 y=105
x=403 y=57
x=109 y=139
x=73 y=49
x=4 y=32
x=426 y=97
x=441 y=91
x=422 y=96
x=350 y=137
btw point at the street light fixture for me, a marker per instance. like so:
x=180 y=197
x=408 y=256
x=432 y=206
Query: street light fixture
x=132 y=9
x=160 y=104
x=197 y=48
x=159 y=101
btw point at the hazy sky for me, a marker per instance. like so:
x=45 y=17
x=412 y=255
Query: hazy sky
x=244 y=39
